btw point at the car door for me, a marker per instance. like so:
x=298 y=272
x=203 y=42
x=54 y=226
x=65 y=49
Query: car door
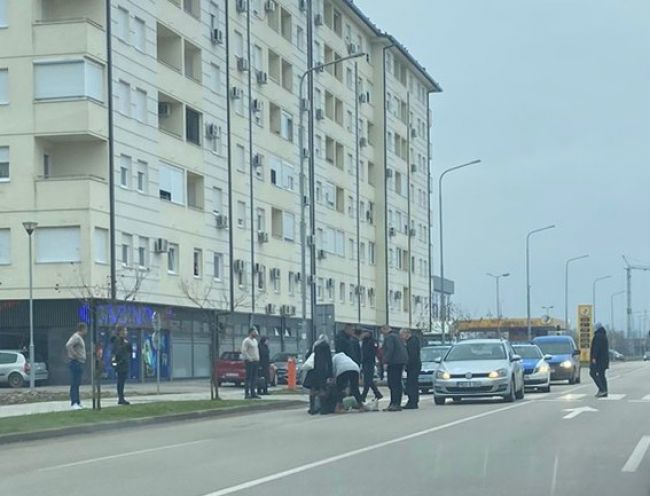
x=517 y=368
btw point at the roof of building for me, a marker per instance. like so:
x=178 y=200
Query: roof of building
x=505 y=324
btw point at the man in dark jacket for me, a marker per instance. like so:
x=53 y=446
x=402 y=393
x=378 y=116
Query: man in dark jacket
x=121 y=361
x=413 y=367
x=347 y=342
x=395 y=357
x=368 y=359
x=599 y=358
x=265 y=363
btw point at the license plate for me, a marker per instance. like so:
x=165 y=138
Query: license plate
x=467 y=384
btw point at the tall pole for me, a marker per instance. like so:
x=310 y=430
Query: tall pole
x=530 y=233
x=497 y=278
x=628 y=281
x=29 y=229
x=611 y=308
x=566 y=288
x=593 y=294
x=443 y=303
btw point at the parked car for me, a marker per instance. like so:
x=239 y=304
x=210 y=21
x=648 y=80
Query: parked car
x=565 y=361
x=281 y=363
x=615 y=356
x=230 y=368
x=15 y=369
x=646 y=356
x=479 y=368
x=429 y=355
x=537 y=372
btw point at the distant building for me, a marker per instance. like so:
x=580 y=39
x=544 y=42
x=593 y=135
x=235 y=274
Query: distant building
x=512 y=329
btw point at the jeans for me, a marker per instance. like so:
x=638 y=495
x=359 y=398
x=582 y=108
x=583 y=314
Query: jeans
x=394 y=373
x=598 y=375
x=369 y=382
x=121 y=380
x=251 y=379
x=412 y=386
x=76 y=371
x=348 y=379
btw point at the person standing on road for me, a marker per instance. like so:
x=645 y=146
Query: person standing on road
x=265 y=363
x=413 y=367
x=76 y=351
x=251 y=355
x=368 y=359
x=120 y=360
x=395 y=357
x=599 y=360
x=346 y=372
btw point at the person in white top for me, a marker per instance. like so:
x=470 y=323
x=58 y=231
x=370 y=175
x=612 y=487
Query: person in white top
x=251 y=355
x=346 y=372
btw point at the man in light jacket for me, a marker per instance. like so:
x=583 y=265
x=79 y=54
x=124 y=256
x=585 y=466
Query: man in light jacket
x=251 y=355
x=395 y=357
x=76 y=351
x=346 y=372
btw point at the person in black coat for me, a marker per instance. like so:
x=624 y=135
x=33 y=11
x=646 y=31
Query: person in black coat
x=265 y=364
x=413 y=367
x=121 y=360
x=599 y=360
x=347 y=341
x=368 y=360
x=318 y=378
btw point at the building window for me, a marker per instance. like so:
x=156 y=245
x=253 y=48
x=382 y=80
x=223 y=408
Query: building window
x=216 y=78
x=217 y=269
x=240 y=158
x=342 y=292
x=197 y=262
x=362 y=252
x=288 y=226
x=241 y=214
x=319 y=289
x=286 y=126
x=4 y=85
x=127 y=248
x=122 y=24
x=143 y=252
x=101 y=241
x=143 y=177
x=58 y=244
x=193 y=126
x=291 y=283
x=125 y=171
x=277 y=281
x=3 y=14
x=139 y=34
x=5 y=243
x=171 y=183
x=4 y=163
x=124 y=98
x=172 y=258
x=140 y=104
x=69 y=79
x=217 y=200
x=371 y=253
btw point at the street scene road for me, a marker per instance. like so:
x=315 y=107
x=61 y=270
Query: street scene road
x=563 y=443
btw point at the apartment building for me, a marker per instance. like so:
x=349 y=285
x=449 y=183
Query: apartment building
x=162 y=160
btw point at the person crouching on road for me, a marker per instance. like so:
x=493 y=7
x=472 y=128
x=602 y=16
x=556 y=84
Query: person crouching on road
x=121 y=360
x=413 y=367
x=265 y=364
x=318 y=365
x=599 y=360
x=251 y=355
x=346 y=372
x=395 y=357
x=76 y=351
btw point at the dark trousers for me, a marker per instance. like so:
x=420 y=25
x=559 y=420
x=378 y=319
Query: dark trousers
x=349 y=379
x=394 y=373
x=412 y=387
x=598 y=375
x=369 y=382
x=263 y=386
x=121 y=380
x=251 y=379
x=76 y=371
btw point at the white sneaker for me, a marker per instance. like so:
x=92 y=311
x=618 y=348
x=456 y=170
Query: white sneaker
x=77 y=407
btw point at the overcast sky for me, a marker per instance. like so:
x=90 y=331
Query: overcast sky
x=554 y=97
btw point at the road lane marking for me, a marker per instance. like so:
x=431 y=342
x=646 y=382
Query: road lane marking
x=572 y=397
x=326 y=461
x=574 y=412
x=556 y=466
x=121 y=455
x=637 y=455
x=646 y=397
x=613 y=397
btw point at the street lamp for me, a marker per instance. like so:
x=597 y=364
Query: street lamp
x=547 y=310
x=530 y=233
x=593 y=288
x=498 y=307
x=30 y=227
x=611 y=308
x=443 y=305
x=303 y=107
x=566 y=288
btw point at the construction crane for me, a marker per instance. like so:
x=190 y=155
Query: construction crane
x=628 y=275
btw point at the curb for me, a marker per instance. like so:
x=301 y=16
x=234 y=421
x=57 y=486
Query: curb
x=146 y=421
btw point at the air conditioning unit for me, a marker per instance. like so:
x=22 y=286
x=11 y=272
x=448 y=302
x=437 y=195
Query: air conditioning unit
x=275 y=273
x=222 y=221
x=217 y=36
x=164 y=109
x=389 y=173
x=412 y=232
x=263 y=237
x=270 y=6
x=235 y=93
x=239 y=266
x=318 y=20
x=160 y=245
x=398 y=295
x=262 y=77
x=418 y=299
x=414 y=168
x=271 y=308
x=258 y=105
x=241 y=6
x=258 y=160
x=414 y=133
x=391 y=231
x=363 y=98
x=352 y=48
x=212 y=131
x=363 y=142
x=242 y=64
x=321 y=254
x=320 y=114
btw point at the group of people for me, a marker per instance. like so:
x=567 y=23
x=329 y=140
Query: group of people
x=257 y=359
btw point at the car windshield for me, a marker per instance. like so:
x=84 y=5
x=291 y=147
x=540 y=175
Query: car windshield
x=528 y=351
x=430 y=354
x=282 y=357
x=476 y=351
x=231 y=355
x=556 y=347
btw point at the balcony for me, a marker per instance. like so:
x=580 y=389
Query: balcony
x=74 y=36
x=66 y=119
x=71 y=193
x=71 y=156
x=66 y=10
x=169 y=48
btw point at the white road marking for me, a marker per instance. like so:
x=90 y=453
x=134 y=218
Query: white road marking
x=572 y=397
x=646 y=397
x=637 y=455
x=556 y=465
x=613 y=397
x=574 y=412
x=350 y=454
x=121 y=455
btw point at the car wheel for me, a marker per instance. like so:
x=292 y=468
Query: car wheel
x=237 y=384
x=572 y=380
x=520 y=394
x=578 y=378
x=547 y=389
x=16 y=380
x=439 y=400
x=510 y=397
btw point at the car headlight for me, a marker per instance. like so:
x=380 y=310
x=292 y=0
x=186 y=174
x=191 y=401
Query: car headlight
x=496 y=374
x=542 y=368
x=566 y=364
x=443 y=374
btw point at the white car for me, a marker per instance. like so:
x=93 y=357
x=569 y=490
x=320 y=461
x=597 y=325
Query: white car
x=15 y=370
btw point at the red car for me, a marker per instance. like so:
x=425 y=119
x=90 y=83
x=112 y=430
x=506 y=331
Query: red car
x=230 y=368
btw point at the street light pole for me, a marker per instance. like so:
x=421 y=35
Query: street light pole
x=443 y=304
x=593 y=288
x=530 y=233
x=611 y=308
x=566 y=288
x=302 y=108
x=498 y=305
x=29 y=228
x=547 y=310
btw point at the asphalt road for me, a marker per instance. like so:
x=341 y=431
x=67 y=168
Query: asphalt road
x=479 y=448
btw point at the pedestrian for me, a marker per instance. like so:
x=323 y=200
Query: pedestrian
x=395 y=357
x=251 y=355
x=346 y=372
x=380 y=362
x=342 y=342
x=76 y=351
x=599 y=360
x=121 y=359
x=318 y=365
x=265 y=364
x=413 y=367
x=368 y=358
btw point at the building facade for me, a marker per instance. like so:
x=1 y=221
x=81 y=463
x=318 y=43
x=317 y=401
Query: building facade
x=173 y=166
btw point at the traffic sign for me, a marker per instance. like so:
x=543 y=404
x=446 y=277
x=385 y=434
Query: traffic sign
x=585 y=331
